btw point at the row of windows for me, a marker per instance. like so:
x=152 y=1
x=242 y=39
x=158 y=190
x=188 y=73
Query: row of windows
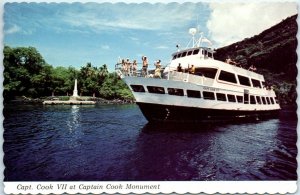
x=186 y=53
x=262 y=100
x=192 y=52
x=228 y=77
x=208 y=95
x=231 y=78
x=207 y=53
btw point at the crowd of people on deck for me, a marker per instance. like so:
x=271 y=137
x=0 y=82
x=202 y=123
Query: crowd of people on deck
x=128 y=67
x=131 y=68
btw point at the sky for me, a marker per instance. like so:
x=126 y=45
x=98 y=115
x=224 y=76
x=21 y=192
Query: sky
x=73 y=34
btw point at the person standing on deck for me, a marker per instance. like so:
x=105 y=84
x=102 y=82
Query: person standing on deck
x=252 y=68
x=134 y=67
x=192 y=70
x=145 y=66
x=230 y=61
x=128 y=67
x=124 y=67
x=157 y=72
x=179 y=68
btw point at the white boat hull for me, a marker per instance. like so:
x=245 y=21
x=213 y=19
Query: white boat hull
x=166 y=107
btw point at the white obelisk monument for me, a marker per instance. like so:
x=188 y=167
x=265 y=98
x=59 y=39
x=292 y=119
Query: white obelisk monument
x=75 y=92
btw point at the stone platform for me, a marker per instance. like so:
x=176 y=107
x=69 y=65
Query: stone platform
x=70 y=102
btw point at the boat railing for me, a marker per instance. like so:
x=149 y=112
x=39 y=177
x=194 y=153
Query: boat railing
x=190 y=78
x=137 y=70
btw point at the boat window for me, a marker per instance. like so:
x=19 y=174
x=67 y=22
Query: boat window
x=190 y=53
x=175 y=91
x=263 y=100
x=206 y=72
x=263 y=84
x=208 y=95
x=137 y=88
x=246 y=98
x=227 y=76
x=196 y=51
x=231 y=98
x=210 y=54
x=221 y=97
x=244 y=80
x=268 y=100
x=174 y=57
x=154 y=89
x=183 y=54
x=276 y=100
x=193 y=93
x=272 y=100
x=252 y=99
x=256 y=83
x=239 y=98
x=258 y=100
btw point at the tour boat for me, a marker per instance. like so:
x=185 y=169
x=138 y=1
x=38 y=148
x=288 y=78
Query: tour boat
x=213 y=90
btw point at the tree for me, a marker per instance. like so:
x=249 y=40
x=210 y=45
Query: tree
x=21 y=67
x=42 y=83
x=103 y=72
x=91 y=78
x=115 y=88
x=27 y=74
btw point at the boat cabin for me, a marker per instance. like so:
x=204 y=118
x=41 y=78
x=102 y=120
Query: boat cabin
x=202 y=52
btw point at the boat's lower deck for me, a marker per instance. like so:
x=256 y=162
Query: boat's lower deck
x=159 y=112
x=167 y=92
x=169 y=100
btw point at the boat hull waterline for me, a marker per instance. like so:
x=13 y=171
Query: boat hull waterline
x=167 y=113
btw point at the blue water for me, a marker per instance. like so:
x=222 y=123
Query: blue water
x=115 y=142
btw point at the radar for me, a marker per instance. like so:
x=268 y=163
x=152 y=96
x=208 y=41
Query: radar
x=193 y=31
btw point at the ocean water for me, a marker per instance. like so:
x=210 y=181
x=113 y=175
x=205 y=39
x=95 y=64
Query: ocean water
x=116 y=143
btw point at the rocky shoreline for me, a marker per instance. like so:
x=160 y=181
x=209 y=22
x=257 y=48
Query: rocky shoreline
x=26 y=100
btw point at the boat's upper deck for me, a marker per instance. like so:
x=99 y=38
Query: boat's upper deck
x=197 y=66
x=203 y=57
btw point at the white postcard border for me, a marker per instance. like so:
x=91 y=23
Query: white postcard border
x=139 y=187
x=167 y=187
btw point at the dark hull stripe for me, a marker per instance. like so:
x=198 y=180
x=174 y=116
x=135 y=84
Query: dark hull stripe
x=157 y=112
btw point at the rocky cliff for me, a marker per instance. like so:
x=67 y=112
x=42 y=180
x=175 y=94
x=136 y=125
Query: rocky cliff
x=273 y=53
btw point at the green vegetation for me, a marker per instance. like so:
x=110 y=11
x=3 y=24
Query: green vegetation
x=27 y=74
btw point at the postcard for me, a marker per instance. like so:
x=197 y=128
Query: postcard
x=150 y=97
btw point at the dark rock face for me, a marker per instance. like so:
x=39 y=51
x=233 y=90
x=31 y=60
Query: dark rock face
x=273 y=53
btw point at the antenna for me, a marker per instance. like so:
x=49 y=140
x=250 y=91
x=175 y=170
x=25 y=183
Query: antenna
x=193 y=31
x=198 y=24
x=197 y=36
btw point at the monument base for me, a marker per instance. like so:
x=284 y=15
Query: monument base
x=70 y=102
x=74 y=98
